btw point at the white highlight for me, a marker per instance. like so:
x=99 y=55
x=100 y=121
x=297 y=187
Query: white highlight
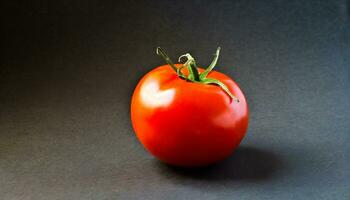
x=152 y=96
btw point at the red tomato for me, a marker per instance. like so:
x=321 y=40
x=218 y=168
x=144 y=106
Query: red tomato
x=187 y=123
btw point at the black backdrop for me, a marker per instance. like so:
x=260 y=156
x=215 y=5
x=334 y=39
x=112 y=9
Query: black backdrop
x=68 y=69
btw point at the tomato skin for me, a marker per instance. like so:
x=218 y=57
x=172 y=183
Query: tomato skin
x=185 y=123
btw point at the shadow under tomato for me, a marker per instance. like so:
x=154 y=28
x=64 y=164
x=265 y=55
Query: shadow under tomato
x=246 y=163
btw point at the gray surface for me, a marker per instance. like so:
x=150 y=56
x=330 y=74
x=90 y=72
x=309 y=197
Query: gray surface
x=68 y=70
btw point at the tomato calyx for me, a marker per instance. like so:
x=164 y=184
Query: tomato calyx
x=193 y=73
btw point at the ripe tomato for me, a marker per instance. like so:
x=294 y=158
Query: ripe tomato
x=187 y=122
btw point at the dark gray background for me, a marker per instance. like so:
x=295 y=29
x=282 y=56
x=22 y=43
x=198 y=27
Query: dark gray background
x=68 y=69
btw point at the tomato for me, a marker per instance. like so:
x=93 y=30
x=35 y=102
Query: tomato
x=187 y=122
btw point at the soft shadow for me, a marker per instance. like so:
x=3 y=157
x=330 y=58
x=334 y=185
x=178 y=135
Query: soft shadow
x=246 y=163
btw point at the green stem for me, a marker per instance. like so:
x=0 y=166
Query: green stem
x=191 y=67
x=193 y=74
x=194 y=71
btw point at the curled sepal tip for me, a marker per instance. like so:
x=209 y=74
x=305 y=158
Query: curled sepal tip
x=191 y=66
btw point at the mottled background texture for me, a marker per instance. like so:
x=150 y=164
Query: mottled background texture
x=68 y=70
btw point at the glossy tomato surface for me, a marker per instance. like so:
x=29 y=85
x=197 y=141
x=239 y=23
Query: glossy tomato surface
x=185 y=123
